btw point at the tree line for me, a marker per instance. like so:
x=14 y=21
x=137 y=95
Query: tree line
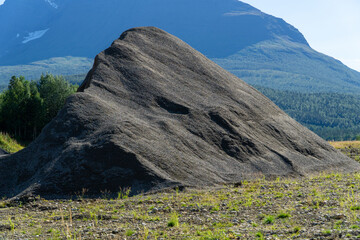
x=27 y=106
x=333 y=116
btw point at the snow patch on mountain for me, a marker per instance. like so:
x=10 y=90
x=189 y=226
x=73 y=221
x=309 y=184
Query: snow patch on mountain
x=34 y=35
x=52 y=3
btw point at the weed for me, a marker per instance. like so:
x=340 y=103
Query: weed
x=355 y=208
x=129 y=233
x=124 y=193
x=174 y=220
x=259 y=236
x=297 y=229
x=283 y=215
x=12 y=225
x=269 y=219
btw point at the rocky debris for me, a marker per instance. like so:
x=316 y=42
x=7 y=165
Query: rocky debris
x=154 y=113
x=3 y=152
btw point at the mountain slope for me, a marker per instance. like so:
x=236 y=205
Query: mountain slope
x=286 y=65
x=217 y=28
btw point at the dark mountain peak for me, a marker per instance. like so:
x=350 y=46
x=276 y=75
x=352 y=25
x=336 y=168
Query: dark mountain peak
x=155 y=113
x=43 y=29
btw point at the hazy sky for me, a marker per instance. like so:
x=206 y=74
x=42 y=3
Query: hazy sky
x=330 y=26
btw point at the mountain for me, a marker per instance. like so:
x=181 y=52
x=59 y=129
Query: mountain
x=287 y=65
x=154 y=113
x=34 y=30
x=261 y=49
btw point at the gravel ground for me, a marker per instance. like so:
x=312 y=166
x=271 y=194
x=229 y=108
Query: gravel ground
x=321 y=207
x=326 y=206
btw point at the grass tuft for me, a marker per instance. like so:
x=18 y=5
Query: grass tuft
x=174 y=220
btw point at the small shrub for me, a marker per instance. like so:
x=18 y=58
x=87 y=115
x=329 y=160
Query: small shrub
x=297 y=229
x=259 y=236
x=174 y=220
x=327 y=232
x=269 y=219
x=283 y=215
x=129 y=233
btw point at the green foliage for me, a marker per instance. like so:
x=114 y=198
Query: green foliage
x=129 y=233
x=283 y=215
x=259 y=236
x=355 y=208
x=8 y=144
x=174 y=220
x=269 y=219
x=333 y=116
x=124 y=193
x=27 y=106
x=54 y=90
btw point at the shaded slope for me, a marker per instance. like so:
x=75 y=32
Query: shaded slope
x=79 y=28
x=154 y=113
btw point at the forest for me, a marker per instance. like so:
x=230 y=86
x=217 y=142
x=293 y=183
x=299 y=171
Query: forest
x=333 y=116
x=27 y=106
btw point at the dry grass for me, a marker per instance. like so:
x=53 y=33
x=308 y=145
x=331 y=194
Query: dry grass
x=345 y=144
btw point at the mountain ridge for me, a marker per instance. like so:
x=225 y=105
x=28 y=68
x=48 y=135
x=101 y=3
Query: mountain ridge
x=69 y=25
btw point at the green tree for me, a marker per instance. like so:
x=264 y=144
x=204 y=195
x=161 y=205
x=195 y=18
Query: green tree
x=27 y=106
x=54 y=90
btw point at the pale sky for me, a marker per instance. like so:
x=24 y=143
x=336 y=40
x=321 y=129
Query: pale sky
x=330 y=26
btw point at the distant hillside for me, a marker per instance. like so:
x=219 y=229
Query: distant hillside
x=332 y=116
x=287 y=65
x=58 y=66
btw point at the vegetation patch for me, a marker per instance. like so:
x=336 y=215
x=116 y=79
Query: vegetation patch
x=349 y=148
x=9 y=144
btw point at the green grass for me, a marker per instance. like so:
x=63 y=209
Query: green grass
x=283 y=215
x=9 y=144
x=174 y=220
x=269 y=219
